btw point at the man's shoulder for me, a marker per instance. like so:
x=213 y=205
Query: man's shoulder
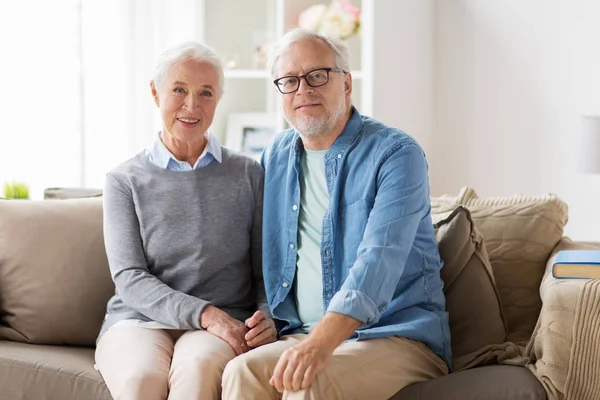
x=281 y=144
x=384 y=136
x=284 y=139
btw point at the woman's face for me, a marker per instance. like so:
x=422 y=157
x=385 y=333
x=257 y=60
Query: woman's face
x=187 y=98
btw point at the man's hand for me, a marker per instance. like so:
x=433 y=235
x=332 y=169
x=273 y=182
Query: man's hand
x=261 y=330
x=298 y=365
x=220 y=324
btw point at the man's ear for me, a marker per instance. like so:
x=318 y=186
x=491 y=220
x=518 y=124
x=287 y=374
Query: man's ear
x=348 y=83
x=154 y=93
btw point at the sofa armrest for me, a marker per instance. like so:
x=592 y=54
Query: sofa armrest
x=593 y=244
x=561 y=350
x=564 y=244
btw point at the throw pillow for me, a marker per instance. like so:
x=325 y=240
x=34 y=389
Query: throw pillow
x=520 y=233
x=472 y=301
x=54 y=275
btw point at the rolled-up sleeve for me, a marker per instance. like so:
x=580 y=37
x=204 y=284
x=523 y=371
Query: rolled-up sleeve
x=401 y=202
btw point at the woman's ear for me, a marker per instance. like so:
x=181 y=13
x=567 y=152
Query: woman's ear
x=154 y=93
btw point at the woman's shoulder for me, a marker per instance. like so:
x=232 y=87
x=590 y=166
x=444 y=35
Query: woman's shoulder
x=132 y=166
x=237 y=159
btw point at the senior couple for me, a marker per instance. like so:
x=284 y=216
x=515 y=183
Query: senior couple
x=333 y=291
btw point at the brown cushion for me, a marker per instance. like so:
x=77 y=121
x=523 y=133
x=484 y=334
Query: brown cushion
x=472 y=301
x=520 y=233
x=54 y=275
x=496 y=382
x=49 y=372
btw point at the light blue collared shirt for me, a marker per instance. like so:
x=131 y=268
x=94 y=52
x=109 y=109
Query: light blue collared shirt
x=159 y=155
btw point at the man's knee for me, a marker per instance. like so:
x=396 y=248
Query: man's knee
x=322 y=387
x=239 y=366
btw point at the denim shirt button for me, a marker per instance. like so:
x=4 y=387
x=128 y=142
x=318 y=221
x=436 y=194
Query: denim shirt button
x=294 y=207
x=292 y=245
x=285 y=284
x=339 y=156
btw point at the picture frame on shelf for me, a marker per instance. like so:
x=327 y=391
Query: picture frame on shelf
x=250 y=132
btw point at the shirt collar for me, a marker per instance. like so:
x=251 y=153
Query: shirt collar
x=161 y=156
x=213 y=146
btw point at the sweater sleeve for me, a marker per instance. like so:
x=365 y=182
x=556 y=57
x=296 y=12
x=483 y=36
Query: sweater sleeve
x=135 y=285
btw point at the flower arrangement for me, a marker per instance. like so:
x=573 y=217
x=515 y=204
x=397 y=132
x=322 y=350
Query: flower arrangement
x=340 y=19
x=16 y=191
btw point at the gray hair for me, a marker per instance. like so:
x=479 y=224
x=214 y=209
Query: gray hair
x=184 y=52
x=339 y=50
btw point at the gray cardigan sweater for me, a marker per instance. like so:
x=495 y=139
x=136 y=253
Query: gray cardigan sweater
x=178 y=241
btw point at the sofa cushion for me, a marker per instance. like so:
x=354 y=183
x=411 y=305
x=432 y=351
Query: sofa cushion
x=472 y=300
x=496 y=382
x=49 y=373
x=520 y=233
x=54 y=275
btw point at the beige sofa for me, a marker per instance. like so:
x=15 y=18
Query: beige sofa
x=54 y=284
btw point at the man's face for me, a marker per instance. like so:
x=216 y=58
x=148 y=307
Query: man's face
x=313 y=111
x=187 y=97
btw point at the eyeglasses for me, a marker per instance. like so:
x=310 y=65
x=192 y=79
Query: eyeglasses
x=314 y=78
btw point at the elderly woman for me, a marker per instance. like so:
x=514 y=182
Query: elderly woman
x=182 y=226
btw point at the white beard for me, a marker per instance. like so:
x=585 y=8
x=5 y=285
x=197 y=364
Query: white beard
x=313 y=126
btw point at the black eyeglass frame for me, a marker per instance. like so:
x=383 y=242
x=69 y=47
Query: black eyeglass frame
x=300 y=77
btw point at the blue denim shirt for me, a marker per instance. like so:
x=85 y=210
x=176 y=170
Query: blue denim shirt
x=379 y=256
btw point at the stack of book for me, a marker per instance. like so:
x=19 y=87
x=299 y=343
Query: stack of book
x=577 y=264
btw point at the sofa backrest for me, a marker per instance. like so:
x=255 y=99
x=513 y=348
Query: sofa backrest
x=54 y=275
x=519 y=233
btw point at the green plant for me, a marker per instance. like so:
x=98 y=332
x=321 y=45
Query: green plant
x=16 y=190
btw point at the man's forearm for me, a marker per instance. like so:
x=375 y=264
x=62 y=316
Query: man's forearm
x=333 y=329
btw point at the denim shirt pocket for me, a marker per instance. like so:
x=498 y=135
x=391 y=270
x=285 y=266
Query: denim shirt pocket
x=356 y=207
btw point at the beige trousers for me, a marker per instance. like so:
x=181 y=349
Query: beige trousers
x=370 y=369
x=154 y=364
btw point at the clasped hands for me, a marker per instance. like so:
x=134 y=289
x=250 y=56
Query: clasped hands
x=257 y=330
x=297 y=366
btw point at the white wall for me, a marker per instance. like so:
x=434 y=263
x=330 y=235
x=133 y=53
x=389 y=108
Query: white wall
x=403 y=66
x=39 y=100
x=511 y=81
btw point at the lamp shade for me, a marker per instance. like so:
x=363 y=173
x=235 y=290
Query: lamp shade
x=590 y=145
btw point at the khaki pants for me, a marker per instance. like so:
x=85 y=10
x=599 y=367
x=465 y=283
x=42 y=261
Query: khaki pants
x=370 y=369
x=154 y=364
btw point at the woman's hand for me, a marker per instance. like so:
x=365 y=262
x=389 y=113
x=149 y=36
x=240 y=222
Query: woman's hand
x=261 y=330
x=229 y=329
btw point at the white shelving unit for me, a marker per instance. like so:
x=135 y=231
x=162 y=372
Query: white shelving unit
x=235 y=28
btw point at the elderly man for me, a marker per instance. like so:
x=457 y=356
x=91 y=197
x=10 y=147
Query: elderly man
x=350 y=263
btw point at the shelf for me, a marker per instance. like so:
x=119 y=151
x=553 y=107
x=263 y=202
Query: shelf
x=263 y=73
